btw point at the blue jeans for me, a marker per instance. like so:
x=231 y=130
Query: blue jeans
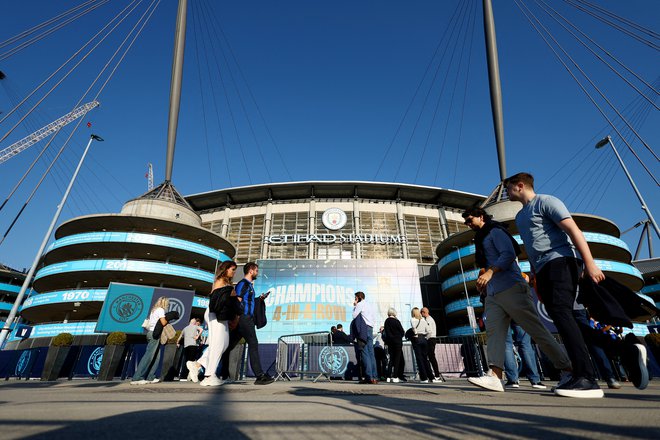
x=148 y=363
x=368 y=357
x=527 y=355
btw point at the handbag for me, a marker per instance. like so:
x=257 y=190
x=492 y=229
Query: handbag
x=168 y=333
x=145 y=324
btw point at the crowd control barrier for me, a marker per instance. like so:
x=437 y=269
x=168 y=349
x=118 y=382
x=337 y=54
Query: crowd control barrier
x=311 y=355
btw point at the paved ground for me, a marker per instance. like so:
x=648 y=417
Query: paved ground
x=304 y=410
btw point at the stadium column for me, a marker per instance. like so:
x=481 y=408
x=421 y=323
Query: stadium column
x=311 y=227
x=224 y=228
x=267 y=222
x=402 y=230
x=356 y=226
x=443 y=221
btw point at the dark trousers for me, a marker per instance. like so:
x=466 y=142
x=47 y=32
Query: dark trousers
x=422 y=357
x=431 y=354
x=190 y=353
x=247 y=330
x=556 y=284
x=395 y=367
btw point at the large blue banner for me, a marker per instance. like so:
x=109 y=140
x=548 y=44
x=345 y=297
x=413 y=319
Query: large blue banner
x=313 y=295
x=126 y=306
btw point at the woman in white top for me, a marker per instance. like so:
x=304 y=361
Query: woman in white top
x=420 y=328
x=149 y=362
x=218 y=325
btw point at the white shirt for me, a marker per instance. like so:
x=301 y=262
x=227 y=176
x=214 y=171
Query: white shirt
x=419 y=326
x=431 y=325
x=154 y=317
x=368 y=312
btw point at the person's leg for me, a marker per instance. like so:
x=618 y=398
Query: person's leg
x=557 y=284
x=432 y=359
x=369 y=360
x=248 y=330
x=234 y=339
x=395 y=359
x=597 y=354
x=188 y=355
x=145 y=363
x=154 y=365
x=510 y=364
x=527 y=354
x=419 y=358
x=221 y=341
x=497 y=327
x=400 y=367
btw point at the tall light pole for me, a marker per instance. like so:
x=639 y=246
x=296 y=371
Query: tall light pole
x=37 y=258
x=608 y=140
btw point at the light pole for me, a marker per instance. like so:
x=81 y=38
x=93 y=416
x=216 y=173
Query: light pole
x=28 y=277
x=608 y=140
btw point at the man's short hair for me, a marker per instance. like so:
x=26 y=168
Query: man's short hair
x=339 y=326
x=333 y=329
x=525 y=178
x=477 y=212
x=360 y=295
x=248 y=267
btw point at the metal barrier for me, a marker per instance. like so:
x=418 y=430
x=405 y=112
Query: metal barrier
x=463 y=355
x=309 y=354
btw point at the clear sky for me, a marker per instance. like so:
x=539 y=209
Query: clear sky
x=333 y=81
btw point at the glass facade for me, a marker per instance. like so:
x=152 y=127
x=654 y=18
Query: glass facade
x=380 y=223
x=313 y=295
x=247 y=235
x=423 y=235
x=289 y=223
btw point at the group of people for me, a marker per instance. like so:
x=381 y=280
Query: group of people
x=559 y=255
x=422 y=335
x=557 y=252
x=229 y=317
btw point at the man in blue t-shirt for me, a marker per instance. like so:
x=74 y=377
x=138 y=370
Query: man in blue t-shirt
x=246 y=327
x=507 y=297
x=551 y=239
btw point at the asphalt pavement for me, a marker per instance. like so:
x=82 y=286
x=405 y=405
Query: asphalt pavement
x=304 y=410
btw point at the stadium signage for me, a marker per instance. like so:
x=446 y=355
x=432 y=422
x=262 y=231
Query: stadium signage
x=334 y=238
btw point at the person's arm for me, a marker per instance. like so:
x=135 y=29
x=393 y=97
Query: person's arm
x=507 y=255
x=575 y=234
x=198 y=333
x=357 y=309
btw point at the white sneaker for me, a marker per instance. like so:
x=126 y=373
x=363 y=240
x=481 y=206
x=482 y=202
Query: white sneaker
x=424 y=381
x=183 y=380
x=395 y=380
x=139 y=382
x=156 y=380
x=193 y=371
x=211 y=381
x=437 y=380
x=489 y=382
x=389 y=379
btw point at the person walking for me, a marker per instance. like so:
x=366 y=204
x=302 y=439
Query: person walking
x=431 y=341
x=507 y=297
x=222 y=309
x=393 y=337
x=145 y=372
x=551 y=238
x=419 y=342
x=246 y=326
x=190 y=337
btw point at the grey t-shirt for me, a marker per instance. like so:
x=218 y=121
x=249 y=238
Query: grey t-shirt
x=538 y=224
x=189 y=334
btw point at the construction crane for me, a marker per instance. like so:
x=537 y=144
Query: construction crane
x=46 y=131
x=150 y=178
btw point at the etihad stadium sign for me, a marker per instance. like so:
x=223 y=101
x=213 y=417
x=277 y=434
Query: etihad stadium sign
x=334 y=219
x=334 y=238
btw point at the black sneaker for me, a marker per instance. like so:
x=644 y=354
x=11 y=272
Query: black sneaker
x=264 y=379
x=512 y=384
x=633 y=357
x=580 y=387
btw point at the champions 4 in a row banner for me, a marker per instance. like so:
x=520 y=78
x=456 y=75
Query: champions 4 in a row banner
x=126 y=306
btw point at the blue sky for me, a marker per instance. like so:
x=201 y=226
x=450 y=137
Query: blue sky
x=332 y=81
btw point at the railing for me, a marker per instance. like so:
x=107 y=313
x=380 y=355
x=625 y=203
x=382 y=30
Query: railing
x=309 y=354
